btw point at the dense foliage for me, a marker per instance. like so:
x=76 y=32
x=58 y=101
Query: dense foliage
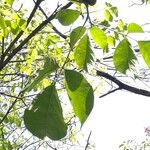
x=39 y=64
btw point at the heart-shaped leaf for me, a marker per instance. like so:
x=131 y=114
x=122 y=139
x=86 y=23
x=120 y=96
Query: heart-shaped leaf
x=45 y=117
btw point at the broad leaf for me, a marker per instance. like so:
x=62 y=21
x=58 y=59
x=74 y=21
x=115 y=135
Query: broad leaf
x=67 y=16
x=45 y=117
x=80 y=93
x=145 y=51
x=83 y=53
x=134 y=28
x=76 y=34
x=49 y=66
x=99 y=37
x=123 y=56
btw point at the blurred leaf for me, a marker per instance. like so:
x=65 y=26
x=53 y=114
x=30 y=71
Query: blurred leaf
x=123 y=56
x=80 y=93
x=45 y=117
x=76 y=34
x=99 y=37
x=133 y=27
x=83 y=53
x=111 y=40
x=108 y=15
x=49 y=66
x=67 y=16
x=145 y=51
x=10 y=2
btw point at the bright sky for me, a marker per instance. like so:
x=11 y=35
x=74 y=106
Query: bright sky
x=122 y=115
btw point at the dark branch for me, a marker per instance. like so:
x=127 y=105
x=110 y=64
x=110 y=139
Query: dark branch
x=33 y=33
x=122 y=85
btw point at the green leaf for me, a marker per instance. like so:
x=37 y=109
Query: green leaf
x=80 y=93
x=114 y=10
x=49 y=66
x=67 y=16
x=111 y=40
x=83 y=53
x=134 y=28
x=123 y=56
x=99 y=37
x=10 y=2
x=45 y=117
x=108 y=15
x=145 y=51
x=76 y=34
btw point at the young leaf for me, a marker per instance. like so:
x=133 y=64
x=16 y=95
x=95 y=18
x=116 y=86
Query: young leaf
x=10 y=2
x=133 y=27
x=45 y=117
x=145 y=51
x=108 y=15
x=99 y=37
x=76 y=34
x=80 y=93
x=49 y=66
x=67 y=16
x=111 y=40
x=123 y=56
x=83 y=53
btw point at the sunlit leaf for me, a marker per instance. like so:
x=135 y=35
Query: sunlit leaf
x=80 y=93
x=99 y=37
x=145 y=51
x=111 y=40
x=83 y=53
x=133 y=27
x=10 y=2
x=123 y=56
x=76 y=34
x=108 y=15
x=49 y=66
x=45 y=117
x=67 y=16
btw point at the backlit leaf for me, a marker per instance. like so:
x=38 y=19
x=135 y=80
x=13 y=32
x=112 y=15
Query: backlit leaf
x=45 y=117
x=83 y=53
x=108 y=15
x=133 y=27
x=99 y=37
x=76 y=34
x=49 y=66
x=67 y=16
x=145 y=51
x=80 y=93
x=123 y=56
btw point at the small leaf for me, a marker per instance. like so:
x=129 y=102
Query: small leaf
x=83 y=53
x=99 y=37
x=67 y=16
x=145 y=51
x=114 y=10
x=45 y=117
x=80 y=93
x=76 y=34
x=133 y=27
x=108 y=15
x=10 y=2
x=123 y=56
x=49 y=66
x=111 y=40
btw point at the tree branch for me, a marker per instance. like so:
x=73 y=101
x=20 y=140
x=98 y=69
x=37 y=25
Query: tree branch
x=123 y=85
x=32 y=34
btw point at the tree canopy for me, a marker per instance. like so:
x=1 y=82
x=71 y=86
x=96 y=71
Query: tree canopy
x=41 y=65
